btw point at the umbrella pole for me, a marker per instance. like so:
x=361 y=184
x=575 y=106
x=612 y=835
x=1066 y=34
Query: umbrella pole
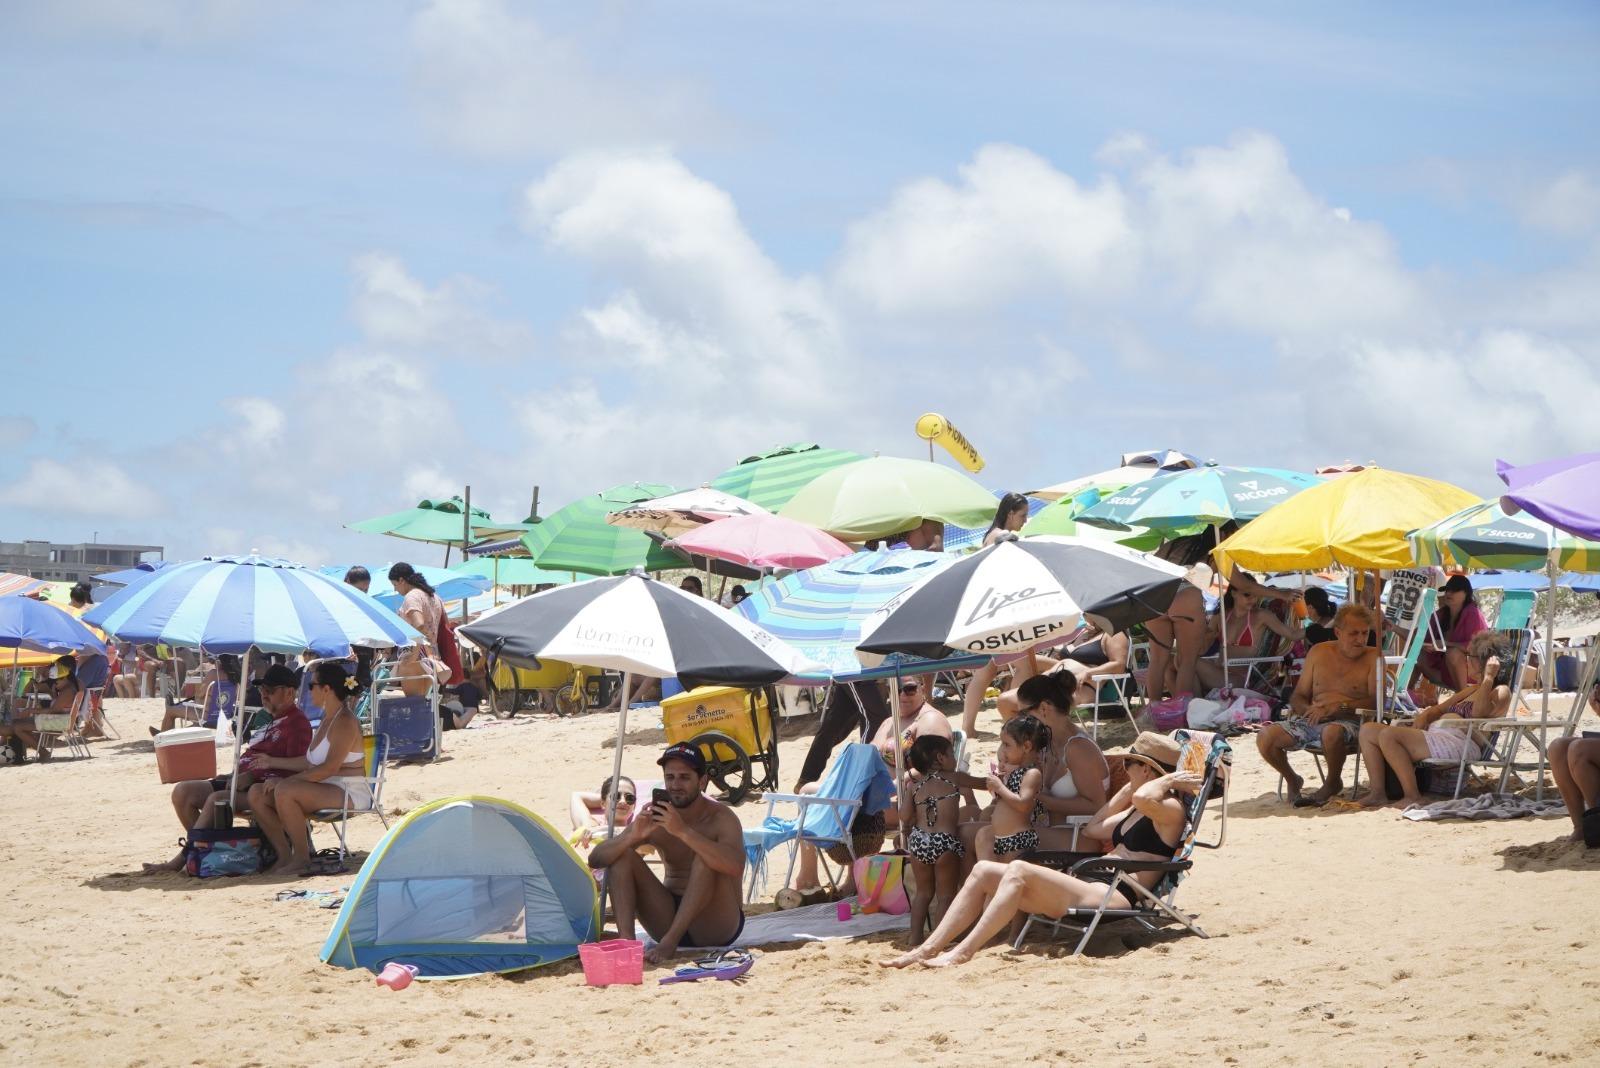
x=894 y=709
x=239 y=716
x=1547 y=667
x=616 y=775
x=1222 y=611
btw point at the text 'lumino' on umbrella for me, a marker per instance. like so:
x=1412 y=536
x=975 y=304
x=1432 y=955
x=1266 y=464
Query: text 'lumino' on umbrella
x=1015 y=595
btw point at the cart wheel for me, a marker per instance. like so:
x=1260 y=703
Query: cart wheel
x=570 y=701
x=728 y=765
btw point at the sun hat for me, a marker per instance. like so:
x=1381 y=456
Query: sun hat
x=1159 y=751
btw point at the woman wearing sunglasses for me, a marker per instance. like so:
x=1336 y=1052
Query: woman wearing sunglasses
x=589 y=810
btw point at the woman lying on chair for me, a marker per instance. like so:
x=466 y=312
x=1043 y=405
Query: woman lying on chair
x=332 y=770
x=1144 y=821
x=1432 y=735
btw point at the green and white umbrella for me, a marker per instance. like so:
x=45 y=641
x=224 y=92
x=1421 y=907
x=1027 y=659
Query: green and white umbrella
x=771 y=478
x=887 y=495
x=1209 y=495
x=578 y=538
x=438 y=522
x=1484 y=538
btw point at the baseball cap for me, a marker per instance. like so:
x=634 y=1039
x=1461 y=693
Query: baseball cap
x=277 y=675
x=687 y=753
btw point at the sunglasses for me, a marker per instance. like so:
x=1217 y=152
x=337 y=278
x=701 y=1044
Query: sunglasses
x=910 y=687
x=627 y=798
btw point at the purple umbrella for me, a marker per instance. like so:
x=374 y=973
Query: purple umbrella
x=1564 y=493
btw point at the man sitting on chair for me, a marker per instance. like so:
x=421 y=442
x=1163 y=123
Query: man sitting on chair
x=1339 y=678
x=701 y=843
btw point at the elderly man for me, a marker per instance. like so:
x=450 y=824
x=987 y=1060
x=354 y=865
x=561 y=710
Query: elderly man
x=696 y=902
x=288 y=735
x=1338 y=680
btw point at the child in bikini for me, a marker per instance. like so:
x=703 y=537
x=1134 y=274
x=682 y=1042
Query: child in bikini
x=1023 y=741
x=929 y=803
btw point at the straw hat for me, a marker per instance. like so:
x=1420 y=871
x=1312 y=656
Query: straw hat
x=1158 y=751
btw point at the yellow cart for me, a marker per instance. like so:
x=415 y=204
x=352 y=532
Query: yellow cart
x=555 y=686
x=734 y=729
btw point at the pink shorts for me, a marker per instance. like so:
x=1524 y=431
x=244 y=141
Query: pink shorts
x=1449 y=743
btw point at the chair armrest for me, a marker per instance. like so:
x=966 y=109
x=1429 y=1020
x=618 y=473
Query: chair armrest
x=814 y=799
x=1125 y=866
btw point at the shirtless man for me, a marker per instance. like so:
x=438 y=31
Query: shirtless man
x=1339 y=678
x=701 y=844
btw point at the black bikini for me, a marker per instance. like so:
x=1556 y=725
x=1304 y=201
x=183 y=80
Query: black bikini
x=1142 y=838
x=926 y=844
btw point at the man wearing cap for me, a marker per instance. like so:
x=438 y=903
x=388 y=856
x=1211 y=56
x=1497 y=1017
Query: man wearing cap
x=701 y=844
x=288 y=735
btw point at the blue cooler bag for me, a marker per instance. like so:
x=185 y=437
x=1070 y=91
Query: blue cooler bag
x=230 y=851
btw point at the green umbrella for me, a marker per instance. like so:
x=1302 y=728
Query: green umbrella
x=511 y=571
x=886 y=495
x=1057 y=518
x=578 y=538
x=438 y=522
x=771 y=478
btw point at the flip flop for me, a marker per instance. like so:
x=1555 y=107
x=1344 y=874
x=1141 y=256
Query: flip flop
x=1308 y=801
x=729 y=964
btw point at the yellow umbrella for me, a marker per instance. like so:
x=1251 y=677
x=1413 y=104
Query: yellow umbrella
x=1359 y=520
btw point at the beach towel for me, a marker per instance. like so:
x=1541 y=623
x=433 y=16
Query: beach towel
x=1485 y=807
x=859 y=772
x=813 y=923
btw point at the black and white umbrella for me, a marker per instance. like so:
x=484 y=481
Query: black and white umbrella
x=1016 y=594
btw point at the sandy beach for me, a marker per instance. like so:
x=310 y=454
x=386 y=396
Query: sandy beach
x=1337 y=937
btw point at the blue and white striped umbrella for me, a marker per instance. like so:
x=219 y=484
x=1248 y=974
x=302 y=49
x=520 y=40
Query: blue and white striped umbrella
x=226 y=604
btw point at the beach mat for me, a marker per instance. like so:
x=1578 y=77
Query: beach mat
x=813 y=923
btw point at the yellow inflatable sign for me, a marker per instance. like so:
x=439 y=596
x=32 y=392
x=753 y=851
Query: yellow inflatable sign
x=934 y=427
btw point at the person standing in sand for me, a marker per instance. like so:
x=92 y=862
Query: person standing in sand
x=1339 y=678
x=696 y=902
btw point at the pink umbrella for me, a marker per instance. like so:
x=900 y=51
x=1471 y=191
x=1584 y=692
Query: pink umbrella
x=762 y=541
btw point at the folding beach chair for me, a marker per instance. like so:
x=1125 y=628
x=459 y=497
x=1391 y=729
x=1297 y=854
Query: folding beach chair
x=56 y=727
x=1110 y=691
x=410 y=723
x=858 y=779
x=375 y=751
x=1516 y=608
x=1150 y=908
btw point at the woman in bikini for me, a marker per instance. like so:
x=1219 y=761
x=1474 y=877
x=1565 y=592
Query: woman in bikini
x=1246 y=621
x=1077 y=779
x=332 y=771
x=1145 y=821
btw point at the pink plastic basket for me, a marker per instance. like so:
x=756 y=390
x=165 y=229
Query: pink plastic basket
x=620 y=960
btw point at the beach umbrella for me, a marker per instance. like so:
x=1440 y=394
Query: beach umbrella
x=1564 y=492
x=511 y=571
x=1016 y=594
x=1058 y=518
x=678 y=513
x=18 y=584
x=1359 y=521
x=638 y=626
x=43 y=658
x=771 y=478
x=577 y=538
x=1208 y=496
x=1134 y=467
x=448 y=583
x=761 y=541
x=888 y=495
x=820 y=610
x=435 y=522
x=40 y=627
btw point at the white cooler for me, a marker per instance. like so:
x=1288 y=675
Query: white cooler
x=186 y=753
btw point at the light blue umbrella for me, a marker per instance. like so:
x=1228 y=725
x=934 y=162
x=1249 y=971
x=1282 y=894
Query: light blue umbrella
x=228 y=604
x=40 y=628
x=819 y=611
x=1209 y=495
x=447 y=583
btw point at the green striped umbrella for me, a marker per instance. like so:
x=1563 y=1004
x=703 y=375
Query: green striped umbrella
x=771 y=478
x=887 y=495
x=1057 y=518
x=1483 y=537
x=578 y=538
x=438 y=522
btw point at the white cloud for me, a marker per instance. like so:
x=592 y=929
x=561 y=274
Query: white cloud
x=1012 y=226
x=257 y=424
x=489 y=79
x=86 y=487
x=394 y=308
x=1569 y=204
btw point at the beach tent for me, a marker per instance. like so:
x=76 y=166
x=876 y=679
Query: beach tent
x=466 y=886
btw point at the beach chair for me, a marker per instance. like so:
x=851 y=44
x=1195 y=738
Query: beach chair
x=1516 y=608
x=1110 y=691
x=220 y=700
x=410 y=723
x=858 y=779
x=1151 y=908
x=375 y=751
x=56 y=727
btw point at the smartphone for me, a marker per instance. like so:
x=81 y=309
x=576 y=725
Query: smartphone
x=658 y=796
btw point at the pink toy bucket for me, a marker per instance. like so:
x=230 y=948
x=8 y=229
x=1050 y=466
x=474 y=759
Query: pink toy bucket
x=620 y=960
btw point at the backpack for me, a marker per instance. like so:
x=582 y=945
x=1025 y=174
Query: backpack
x=209 y=852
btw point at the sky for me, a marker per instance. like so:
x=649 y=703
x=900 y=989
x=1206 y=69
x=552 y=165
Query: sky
x=270 y=268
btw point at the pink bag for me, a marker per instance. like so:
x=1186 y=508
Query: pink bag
x=880 y=884
x=1169 y=713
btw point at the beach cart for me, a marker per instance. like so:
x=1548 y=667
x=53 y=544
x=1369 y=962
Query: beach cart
x=734 y=729
x=555 y=686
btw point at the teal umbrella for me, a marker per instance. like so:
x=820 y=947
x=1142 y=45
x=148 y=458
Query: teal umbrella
x=770 y=478
x=1207 y=496
x=511 y=571
x=578 y=538
x=438 y=522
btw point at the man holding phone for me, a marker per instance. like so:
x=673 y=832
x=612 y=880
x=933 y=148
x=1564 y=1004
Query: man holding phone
x=697 y=902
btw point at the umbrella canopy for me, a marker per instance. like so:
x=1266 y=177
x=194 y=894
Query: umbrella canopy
x=761 y=541
x=1564 y=493
x=10 y=583
x=1015 y=594
x=227 y=604
x=43 y=628
x=1134 y=467
x=820 y=610
x=511 y=571
x=1209 y=495
x=1484 y=537
x=679 y=513
x=635 y=624
x=887 y=495
x=1057 y=518
x=771 y=478
x=449 y=584
x=44 y=659
x=578 y=538
x=1358 y=520
x=128 y=576
x=438 y=522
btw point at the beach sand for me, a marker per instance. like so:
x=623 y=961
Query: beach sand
x=1337 y=937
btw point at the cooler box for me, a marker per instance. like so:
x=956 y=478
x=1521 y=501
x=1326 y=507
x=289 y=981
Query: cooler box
x=186 y=753
x=717 y=708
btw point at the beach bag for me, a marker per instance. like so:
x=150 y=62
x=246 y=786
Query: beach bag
x=209 y=852
x=880 y=884
x=1391 y=781
x=449 y=651
x=1169 y=713
x=1223 y=709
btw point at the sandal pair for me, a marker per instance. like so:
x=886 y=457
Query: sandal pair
x=324 y=862
x=726 y=965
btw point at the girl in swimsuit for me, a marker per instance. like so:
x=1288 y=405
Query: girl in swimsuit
x=1023 y=742
x=929 y=803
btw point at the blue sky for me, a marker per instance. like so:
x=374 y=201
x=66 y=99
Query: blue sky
x=265 y=268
